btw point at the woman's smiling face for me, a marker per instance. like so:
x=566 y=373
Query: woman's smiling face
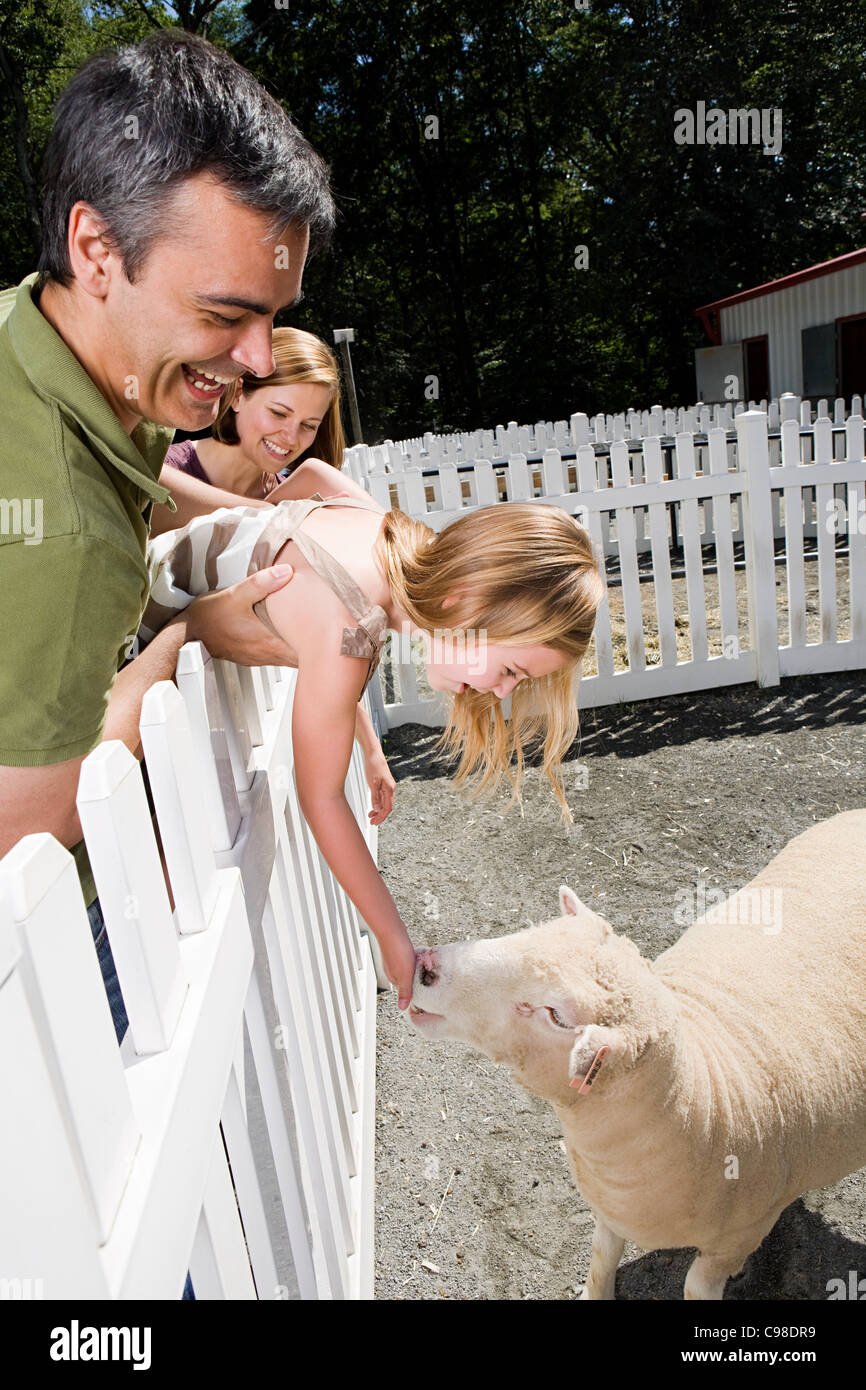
x=276 y=424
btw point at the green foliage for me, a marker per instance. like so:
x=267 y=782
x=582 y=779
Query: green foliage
x=455 y=256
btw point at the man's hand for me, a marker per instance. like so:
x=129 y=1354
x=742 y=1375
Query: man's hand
x=228 y=627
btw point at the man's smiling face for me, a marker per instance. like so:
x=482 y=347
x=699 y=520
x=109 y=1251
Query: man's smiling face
x=202 y=307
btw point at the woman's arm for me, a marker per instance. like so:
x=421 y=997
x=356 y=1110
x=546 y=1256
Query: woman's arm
x=193 y=498
x=323 y=729
x=314 y=475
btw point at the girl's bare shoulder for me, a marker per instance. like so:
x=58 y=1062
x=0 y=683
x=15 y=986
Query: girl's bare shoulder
x=307 y=612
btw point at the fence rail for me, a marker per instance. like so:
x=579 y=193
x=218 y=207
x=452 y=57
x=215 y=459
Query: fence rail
x=652 y=513
x=121 y=1169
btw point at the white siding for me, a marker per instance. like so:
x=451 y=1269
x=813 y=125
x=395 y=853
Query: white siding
x=782 y=315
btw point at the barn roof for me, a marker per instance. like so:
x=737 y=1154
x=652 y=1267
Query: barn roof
x=786 y=281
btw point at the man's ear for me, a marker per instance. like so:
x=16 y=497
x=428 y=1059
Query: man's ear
x=590 y=1041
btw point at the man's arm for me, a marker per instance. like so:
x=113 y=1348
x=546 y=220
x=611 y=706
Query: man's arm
x=43 y=798
x=193 y=498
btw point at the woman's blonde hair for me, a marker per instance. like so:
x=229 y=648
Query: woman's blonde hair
x=524 y=574
x=299 y=358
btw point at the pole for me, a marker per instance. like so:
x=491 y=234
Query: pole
x=343 y=337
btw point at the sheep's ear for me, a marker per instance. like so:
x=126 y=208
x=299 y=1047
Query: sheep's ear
x=569 y=903
x=591 y=1041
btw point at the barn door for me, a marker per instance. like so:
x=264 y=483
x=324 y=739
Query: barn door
x=852 y=356
x=756 y=355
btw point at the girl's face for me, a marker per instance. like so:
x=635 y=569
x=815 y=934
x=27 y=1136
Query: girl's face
x=456 y=663
x=277 y=423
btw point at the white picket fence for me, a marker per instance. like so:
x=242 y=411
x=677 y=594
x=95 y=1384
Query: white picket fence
x=430 y=451
x=810 y=485
x=121 y=1169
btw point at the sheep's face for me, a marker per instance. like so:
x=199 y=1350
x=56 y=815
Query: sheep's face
x=533 y=1001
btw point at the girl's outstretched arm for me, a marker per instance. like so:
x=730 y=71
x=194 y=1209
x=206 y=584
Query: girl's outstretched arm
x=323 y=730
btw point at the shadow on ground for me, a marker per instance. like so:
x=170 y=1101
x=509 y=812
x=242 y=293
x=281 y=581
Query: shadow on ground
x=799 y=1259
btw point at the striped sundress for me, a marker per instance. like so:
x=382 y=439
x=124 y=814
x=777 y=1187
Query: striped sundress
x=223 y=547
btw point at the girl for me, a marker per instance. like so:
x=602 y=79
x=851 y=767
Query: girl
x=505 y=597
x=265 y=424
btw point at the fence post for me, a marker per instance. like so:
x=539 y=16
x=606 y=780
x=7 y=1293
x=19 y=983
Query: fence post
x=754 y=461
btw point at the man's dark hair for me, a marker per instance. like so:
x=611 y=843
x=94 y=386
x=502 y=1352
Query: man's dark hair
x=135 y=121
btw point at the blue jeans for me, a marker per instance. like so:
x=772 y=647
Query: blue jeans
x=115 y=998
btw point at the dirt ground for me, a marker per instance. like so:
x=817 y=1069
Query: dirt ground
x=474 y=1199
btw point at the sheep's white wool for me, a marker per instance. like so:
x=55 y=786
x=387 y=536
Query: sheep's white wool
x=734 y=1076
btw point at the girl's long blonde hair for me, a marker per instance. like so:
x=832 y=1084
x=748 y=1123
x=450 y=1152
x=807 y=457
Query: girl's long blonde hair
x=525 y=574
x=299 y=359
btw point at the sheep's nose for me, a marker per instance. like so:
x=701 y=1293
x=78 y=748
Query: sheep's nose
x=427 y=967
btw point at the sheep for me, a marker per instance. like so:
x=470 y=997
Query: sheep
x=700 y=1093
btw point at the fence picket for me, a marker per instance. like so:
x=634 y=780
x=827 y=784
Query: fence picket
x=50 y=1232
x=39 y=881
x=219 y=1255
x=856 y=525
x=627 y=538
x=690 y=528
x=826 y=531
x=724 y=545
x=588 y=483
x=135 y=907
x=660 y=542
x=758 y=532
x=794 y=568
x=197 y=683
x=179 y=793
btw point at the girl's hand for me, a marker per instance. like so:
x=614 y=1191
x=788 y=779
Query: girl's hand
x=381 y=785
x=398 y=958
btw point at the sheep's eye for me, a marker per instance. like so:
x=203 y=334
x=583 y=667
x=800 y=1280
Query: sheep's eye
x=555 y=1018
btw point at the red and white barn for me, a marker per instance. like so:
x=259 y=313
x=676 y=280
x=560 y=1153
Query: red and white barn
x=804 y=333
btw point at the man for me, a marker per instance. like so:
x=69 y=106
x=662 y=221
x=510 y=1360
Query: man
x=180 y=204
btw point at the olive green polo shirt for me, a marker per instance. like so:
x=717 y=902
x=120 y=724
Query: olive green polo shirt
x=76 y=493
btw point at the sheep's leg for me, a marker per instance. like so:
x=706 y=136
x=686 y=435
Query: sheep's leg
x=607 y=1251
x=708 y=1275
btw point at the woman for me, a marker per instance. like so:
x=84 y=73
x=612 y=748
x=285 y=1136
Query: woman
x=266 y=425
